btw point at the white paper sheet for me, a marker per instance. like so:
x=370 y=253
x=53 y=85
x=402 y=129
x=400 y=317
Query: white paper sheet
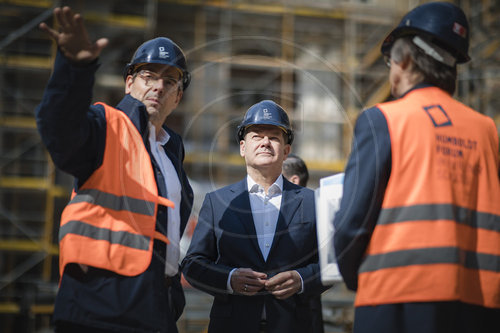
x=328 y=197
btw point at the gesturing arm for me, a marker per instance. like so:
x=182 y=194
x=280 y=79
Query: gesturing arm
x=72 y=131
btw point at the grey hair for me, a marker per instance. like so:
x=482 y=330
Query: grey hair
x=433 y=72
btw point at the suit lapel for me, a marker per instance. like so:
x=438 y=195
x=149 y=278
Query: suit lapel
x=242 y=209
x=290 y=202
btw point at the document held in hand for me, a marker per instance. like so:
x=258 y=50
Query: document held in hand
x=328 y=197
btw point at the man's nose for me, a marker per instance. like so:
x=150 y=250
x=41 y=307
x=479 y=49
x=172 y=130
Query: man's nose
x=158 y=84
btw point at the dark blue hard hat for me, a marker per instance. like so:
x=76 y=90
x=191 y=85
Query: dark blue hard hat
x=160 y=50
x=266 y=112
x=444 y=23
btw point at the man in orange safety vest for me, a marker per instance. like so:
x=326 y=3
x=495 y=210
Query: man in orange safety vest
x=418 y=230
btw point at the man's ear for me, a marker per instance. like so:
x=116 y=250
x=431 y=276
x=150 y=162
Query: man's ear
x=180 y=93
x=242 y=148
x=128 y=83
x=406 y=62
x=286 y=151
x=294 y=179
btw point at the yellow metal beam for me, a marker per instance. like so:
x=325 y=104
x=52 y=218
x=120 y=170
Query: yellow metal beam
x=371 y=56
x=30 y=3
x=59 y=191
x=23 y=61
x=260 y=61
x=206 y=158
x=32 y=183
x=18 y=122
x=490 y=49
x=246 y=60
x=24 y=183
x=42 y=308
x=11 y=307
x=338 y=14
x=27 y=246
x=127 y=21
x=263 y=8
x=333 y=166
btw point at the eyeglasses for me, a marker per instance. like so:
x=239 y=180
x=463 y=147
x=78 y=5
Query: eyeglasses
x=150 y=78
x=387 y=60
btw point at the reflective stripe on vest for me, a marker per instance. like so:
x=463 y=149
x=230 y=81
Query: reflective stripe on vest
x=437 y=237
x=435 y=255
x=124 y=238
x=110 y=222
x=114 y=202
x=451 y=212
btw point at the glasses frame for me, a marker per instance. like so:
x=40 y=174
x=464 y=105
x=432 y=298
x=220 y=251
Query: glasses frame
x=150 y=78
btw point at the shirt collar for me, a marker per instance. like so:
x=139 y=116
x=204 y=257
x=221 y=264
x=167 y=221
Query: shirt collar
x=162 y=137
x=275 y=188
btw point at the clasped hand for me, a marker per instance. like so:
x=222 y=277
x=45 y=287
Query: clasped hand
x=248 y=282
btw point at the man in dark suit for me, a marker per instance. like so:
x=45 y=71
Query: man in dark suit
x=254 y=247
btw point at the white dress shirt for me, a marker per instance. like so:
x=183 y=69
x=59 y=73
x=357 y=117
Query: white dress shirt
x=173 y=194
x=265 y=212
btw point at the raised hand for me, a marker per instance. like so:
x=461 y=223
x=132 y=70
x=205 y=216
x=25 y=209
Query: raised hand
x=72 y=37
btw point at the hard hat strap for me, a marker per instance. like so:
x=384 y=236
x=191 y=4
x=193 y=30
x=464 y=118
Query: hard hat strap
x=435 y=52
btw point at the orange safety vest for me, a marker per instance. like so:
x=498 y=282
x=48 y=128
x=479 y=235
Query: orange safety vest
x=437 y=237
x=110 y=221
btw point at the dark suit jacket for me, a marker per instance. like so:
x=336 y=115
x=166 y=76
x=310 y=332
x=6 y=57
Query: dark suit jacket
x=225 y=238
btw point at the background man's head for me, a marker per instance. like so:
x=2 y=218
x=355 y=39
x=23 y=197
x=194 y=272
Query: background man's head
x=295 y=170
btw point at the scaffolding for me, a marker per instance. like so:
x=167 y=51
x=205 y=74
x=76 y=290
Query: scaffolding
x=319 y=59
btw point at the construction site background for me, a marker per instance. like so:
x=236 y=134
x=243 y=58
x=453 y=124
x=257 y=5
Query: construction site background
x=319 y=59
